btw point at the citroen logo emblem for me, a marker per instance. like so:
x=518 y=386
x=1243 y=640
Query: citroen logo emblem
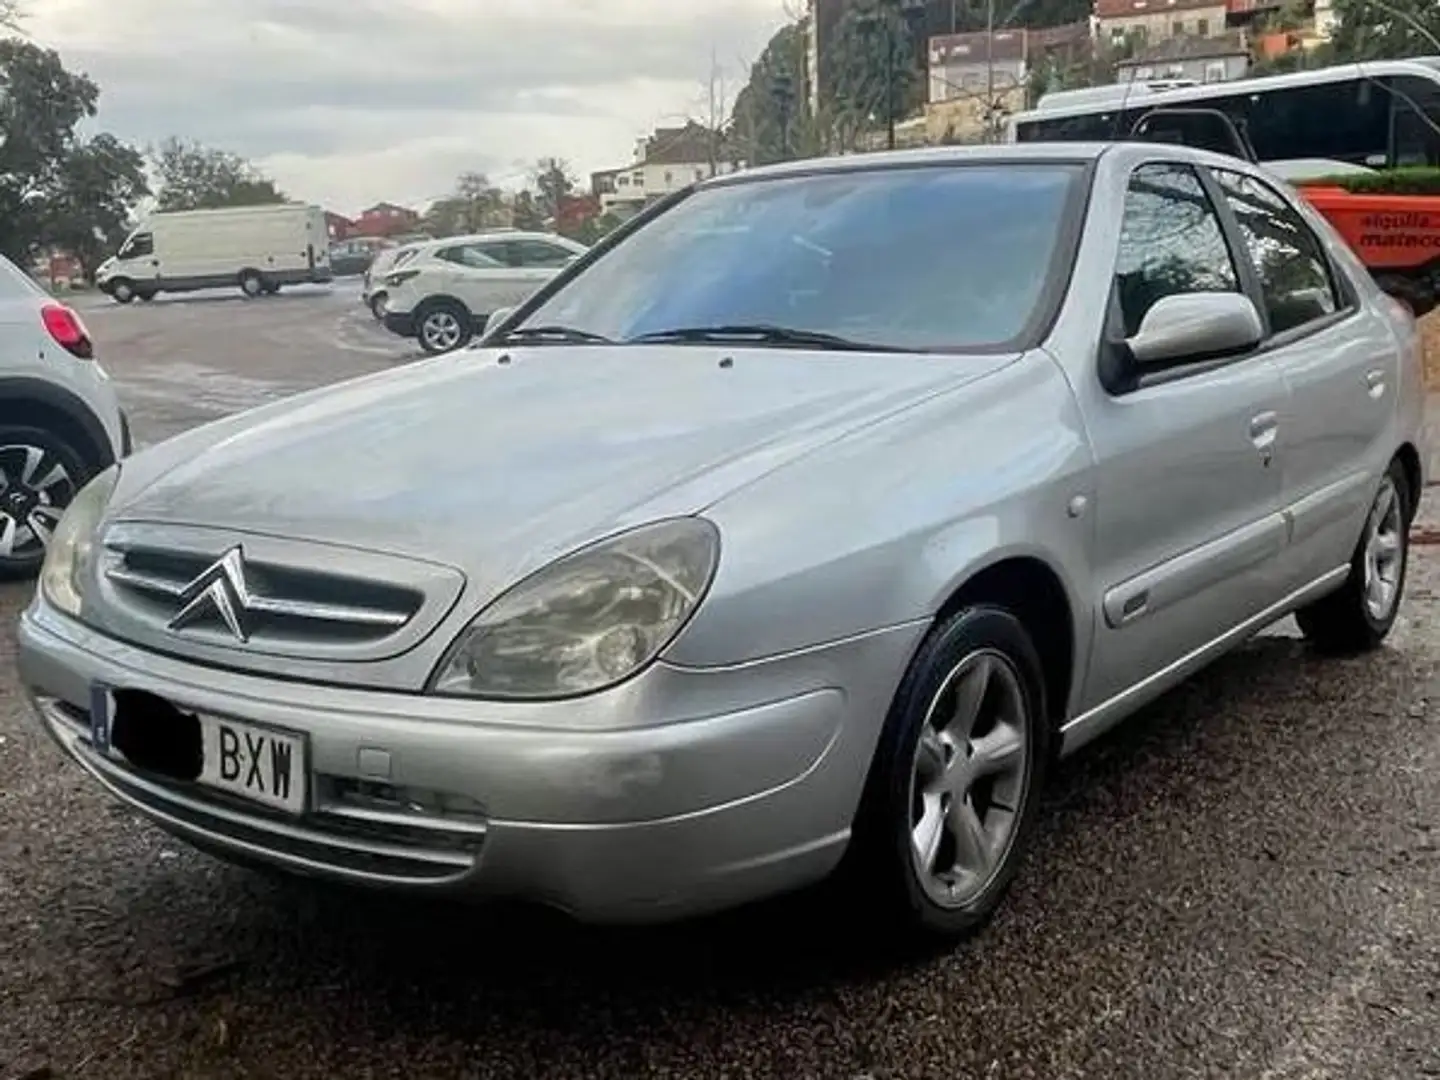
x=219 y=589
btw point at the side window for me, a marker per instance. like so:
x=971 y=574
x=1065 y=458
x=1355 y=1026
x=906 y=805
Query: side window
x=139 y=245
x=471 y=255
x=1290 y=260
x=490 y=256
x=1171 y=242
x=537 y=253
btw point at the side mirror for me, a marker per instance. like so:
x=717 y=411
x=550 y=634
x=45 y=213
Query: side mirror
x=1193 y=327
x=495 y=319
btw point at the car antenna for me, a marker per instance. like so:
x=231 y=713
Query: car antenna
x=1115 y=133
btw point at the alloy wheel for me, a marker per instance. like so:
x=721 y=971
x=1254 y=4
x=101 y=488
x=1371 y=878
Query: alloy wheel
x=35 y=489
x=1384 y=552
x=968 y=779
x=441 y=330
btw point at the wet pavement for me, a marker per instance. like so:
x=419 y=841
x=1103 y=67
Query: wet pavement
x=1243 y=881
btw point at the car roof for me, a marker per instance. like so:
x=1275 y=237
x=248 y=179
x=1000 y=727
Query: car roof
x=494 y=234
x=998 y=154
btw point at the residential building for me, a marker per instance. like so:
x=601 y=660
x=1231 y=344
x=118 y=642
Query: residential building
x=339 y=226
x=927 y=19
x=966 y=65
x=1204 y=59
x=1148 y=22
x=972 y=65
x=665 y=162
x=386 y=219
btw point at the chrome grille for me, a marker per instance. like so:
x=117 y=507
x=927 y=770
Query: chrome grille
x=237 y=597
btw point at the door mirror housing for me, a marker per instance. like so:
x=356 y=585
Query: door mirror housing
x=496 y=318
x=1195 y=327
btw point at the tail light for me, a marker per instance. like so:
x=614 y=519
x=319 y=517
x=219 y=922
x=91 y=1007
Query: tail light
x=395 y=280
x=67 y=330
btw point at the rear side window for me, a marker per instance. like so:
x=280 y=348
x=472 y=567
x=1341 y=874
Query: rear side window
x=1171 y=242
x=1288 y=257
x=15 y=284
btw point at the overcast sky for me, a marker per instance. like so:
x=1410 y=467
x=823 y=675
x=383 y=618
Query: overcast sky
x=347 y=102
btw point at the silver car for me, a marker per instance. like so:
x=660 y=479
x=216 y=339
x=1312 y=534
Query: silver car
x=797 y=529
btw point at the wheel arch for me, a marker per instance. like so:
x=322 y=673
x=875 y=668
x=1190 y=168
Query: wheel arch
x=1409 y=458
x=35 y=403
x=1030 y=588
x=439 y=299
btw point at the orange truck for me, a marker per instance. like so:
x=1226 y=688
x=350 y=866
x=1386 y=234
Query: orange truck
x=1396 y=236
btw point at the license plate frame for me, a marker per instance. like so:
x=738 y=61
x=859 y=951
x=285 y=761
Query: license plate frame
x=254 y=750
x=234 y=753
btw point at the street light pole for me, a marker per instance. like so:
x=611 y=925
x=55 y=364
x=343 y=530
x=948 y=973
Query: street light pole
x=889 y=84
x=989 y=70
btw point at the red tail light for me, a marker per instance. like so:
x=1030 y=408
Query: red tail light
x=67 y=330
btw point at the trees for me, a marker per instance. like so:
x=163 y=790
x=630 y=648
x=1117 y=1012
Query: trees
x=871 y=66
x=771 y=117
x=88 y=215
x=552 y=181
x=56 y=188
x=1385 y=29
x=198 y=177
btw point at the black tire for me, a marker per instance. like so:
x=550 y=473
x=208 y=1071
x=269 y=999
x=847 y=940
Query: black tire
x=377 y=306
x=460 y=326
x=1352 y=619
x=882 y=861
x=252 y=284
x=122 y=291
x=28 y=552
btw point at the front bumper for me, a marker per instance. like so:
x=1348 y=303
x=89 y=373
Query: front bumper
x=631 y=824
x=402 y=323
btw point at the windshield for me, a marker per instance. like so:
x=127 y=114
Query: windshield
x=920 y=258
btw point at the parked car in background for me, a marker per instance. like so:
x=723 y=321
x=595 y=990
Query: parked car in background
x=258 y=248
x=60 y=422
x=605 y=629
x=373 y=293
x=351 y=258
x=444 y=294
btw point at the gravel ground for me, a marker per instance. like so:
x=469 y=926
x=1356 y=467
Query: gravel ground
x=1244 y=881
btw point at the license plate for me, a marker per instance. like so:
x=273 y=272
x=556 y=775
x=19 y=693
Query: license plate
x=255 y=763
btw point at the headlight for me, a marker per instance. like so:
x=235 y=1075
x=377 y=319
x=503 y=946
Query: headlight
x=72 y=545
x=588 y=621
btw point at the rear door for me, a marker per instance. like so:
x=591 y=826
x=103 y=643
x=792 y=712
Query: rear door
x=480 y=275
x=1188 y=529
x=1340 y=362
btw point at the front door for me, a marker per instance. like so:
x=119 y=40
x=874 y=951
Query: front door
x=1188 y=525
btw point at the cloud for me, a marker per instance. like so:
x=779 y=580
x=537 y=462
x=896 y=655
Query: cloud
x=347 y=102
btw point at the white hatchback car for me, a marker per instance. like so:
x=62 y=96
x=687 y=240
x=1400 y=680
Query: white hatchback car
x=60 y=421
x=444 y=294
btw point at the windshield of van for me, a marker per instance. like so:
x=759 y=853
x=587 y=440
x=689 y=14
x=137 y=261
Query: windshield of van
x=929 y=257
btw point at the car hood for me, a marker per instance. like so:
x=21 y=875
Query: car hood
x=497 y=461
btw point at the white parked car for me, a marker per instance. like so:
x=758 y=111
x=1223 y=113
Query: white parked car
x=60 y=422
x=373 y=293
x=445 y=293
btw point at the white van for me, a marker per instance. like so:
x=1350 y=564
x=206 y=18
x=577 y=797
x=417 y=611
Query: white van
x=259 y=248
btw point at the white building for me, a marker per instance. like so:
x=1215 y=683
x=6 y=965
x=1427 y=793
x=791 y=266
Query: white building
x=667 y=161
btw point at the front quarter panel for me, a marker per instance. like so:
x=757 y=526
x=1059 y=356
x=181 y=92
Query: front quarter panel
x=883 y=527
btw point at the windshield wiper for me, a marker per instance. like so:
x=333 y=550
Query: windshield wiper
x=757 y=334
x=566 y=335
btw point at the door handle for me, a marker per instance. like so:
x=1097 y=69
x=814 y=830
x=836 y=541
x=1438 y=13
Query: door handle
x=1264 y=427
x=1375 y=382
